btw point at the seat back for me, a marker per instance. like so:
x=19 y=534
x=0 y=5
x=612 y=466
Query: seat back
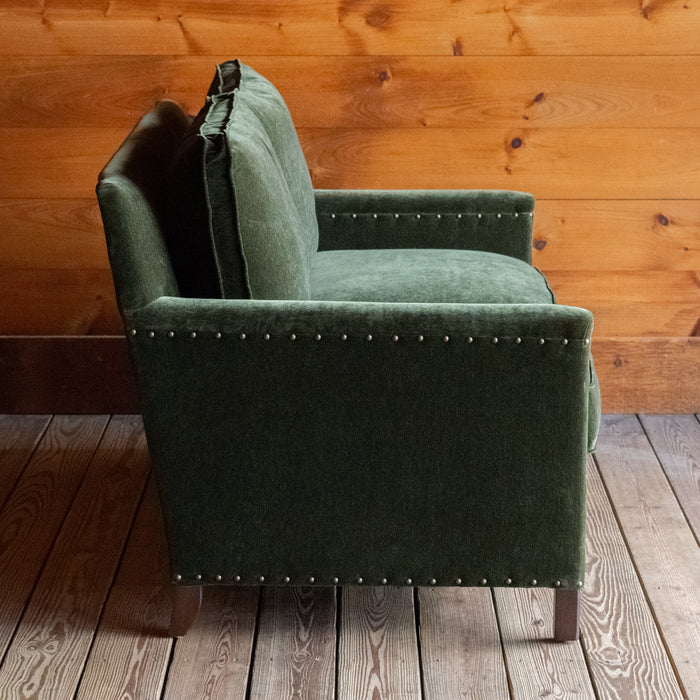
x=132 y=199
x=240 y=181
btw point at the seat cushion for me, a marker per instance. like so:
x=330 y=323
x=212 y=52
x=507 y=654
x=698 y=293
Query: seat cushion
x=253 y=195
x=426 y=275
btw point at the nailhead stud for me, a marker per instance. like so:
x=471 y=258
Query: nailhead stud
x=344 y=336
x=242 y=336
x=518 y=341
x=459 y=216
x=458 y=581
x=198 y=577
x=483 y=581
x=178 y=578
x=541 y=341
x=557 y=584
x=438 y=216
x=417 y=216
x=369 y=337
x=478 y=216
x=360 y=579
x=579 y=584
x=218 y=577
x=292 y=336
x=499 y=215
x=312 y=579
x=420 y=339
x=318 y=336
x=332 y=216
x=171 y=334
x=266 y=336
x=432 y=581
x=286 y=579
x=508 y=581
x=445 y=338
x=193 y=334
x=396 y=216
x=494 y=340
x=395 y=338
x=516 y=215
x=374 y=216
x=409 y=581
x=384 y=582
x=335 y=579
x=133 y=331
x=533 y=582
x=470 y=339
x=588 y=341
x=217 y=336
x=565 y=341
x=151 y=334
x=261 y=579
x=354 y=216
x=237 y=579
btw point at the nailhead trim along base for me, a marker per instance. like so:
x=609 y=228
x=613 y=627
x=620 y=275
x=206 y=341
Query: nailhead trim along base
x=357 y=580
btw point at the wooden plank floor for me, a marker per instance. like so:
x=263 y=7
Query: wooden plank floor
x=84 y=600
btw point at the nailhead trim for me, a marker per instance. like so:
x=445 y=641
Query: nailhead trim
x=395 y=338
x=218 y=578
x=416 y=215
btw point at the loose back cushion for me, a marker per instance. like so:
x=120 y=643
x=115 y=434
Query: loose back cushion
x=242 y=196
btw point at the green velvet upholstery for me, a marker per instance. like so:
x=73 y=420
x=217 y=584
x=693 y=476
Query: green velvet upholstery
x=399 y=402
x=426 y=275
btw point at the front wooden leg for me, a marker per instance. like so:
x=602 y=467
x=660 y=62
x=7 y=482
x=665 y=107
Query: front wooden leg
x=186 y=603
x=566 y=615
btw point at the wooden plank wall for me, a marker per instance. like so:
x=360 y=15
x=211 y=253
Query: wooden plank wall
x=593 y=107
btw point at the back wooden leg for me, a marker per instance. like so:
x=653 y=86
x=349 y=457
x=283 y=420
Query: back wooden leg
x=566 y=615
x=186 y=603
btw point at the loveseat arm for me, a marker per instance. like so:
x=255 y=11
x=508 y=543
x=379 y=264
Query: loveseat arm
x=380 y=429
x=490 y=220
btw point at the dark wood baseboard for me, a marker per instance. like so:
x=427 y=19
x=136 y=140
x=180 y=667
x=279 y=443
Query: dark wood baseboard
x=93 y=374
x=66 y=374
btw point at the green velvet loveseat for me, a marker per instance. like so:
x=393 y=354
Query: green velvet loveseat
x=343 y=387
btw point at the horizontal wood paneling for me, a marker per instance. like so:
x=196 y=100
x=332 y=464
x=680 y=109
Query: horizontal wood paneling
x=611 y=235
x=647 y=235
x=368 y=91
x=551 y=163
x=93 y=374
x=627 y=303
x=315 y=27
x=592 y=107
x=58 y=302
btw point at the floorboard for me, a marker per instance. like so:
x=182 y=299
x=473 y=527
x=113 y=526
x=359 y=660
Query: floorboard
x=538 y=667
x=295 y=655
x=663 y=547
x=85 y=600
x=461 y=653
x=19 y=436
x=213 y=660
x=676 y=441
x=47 y=655
x=625 y=653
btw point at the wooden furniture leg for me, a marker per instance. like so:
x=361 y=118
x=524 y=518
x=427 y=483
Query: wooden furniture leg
x=186 y=602
x=566 y=615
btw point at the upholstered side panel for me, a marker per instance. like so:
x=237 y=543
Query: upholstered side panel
x=494 y=221
x=352 y=440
